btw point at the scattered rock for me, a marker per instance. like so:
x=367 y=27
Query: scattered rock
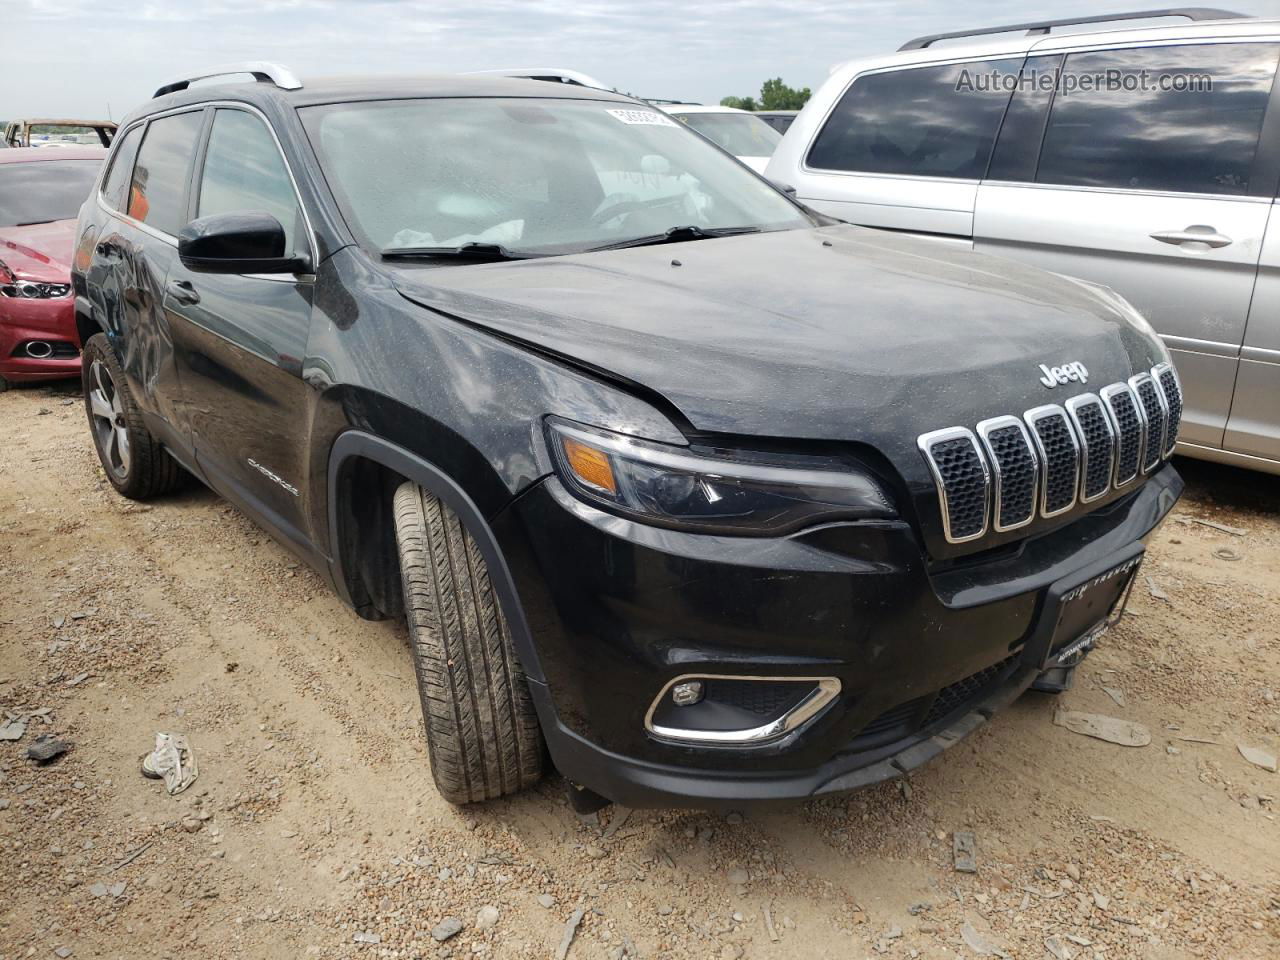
x=13 y=729
x=739 y=877
x=665 y=910
x=1155 y=591
x=487 y=918
x=1258 y=757
x=964 y=852
x=1073 y=872
x=978 y=943
x=594 y=852
x=733 y=818
x=191 y=824
x=1057 y=948
x=1101 y=900
x=47 y=747
x=570 y=931
x=445 y=929
x=98 y=890
x=1117 y=695
x=365 y=936
x=1125 y=733
x=546 y=900
x=730 y=951
x=62 y=952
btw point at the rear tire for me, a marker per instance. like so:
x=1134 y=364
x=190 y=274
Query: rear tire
x=134 y=461
x=482 y=730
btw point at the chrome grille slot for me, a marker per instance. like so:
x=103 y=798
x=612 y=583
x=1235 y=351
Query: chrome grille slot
x=1052 y=458
x=1126 y=418
x=1015 y=471
x=1059 y=452
x=963 y=479
x=1153 y=411
x=1097 y=445
x=1167 y=379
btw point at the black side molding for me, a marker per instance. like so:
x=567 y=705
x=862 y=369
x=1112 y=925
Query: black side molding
x=357 y=443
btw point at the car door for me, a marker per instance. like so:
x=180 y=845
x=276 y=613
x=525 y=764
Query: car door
x=906 y=148
x=145 y=191
x=241 y=339
x=1140 y=169
x=1253 y=428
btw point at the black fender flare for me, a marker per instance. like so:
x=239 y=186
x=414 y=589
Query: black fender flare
x=357 y=443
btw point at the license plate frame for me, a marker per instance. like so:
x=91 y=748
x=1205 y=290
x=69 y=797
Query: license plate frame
x=1086 y=606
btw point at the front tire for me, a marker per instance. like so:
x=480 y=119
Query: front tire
x=134 y=461
x=482 y=730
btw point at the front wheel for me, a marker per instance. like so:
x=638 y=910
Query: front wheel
x=134 y=461
x=482 y=730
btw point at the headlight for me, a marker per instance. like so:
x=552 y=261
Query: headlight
x=27 y=290
x=758 y=494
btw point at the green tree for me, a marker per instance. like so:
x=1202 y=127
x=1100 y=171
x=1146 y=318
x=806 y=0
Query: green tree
x=774 y=95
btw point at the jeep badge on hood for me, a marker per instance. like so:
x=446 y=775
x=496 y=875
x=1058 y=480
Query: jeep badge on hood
x=1068 y=372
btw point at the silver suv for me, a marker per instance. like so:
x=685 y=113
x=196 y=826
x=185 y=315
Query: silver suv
x=1143 y=159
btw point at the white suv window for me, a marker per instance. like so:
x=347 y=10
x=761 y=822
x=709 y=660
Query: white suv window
x=926 y=121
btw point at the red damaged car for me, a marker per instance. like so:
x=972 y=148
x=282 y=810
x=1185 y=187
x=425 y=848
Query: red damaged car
x=41 y=191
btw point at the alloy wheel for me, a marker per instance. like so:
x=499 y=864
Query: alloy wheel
x=109 y=424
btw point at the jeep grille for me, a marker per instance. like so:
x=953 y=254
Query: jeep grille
x=1051 y=459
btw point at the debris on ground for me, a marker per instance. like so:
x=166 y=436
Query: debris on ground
x=1258 y=757
x=1116 y=694
x=13 y=729
x=570 y=931
x=1154 y=589
x=1226 y=553
x=1234 y=531
x=1125 y=733
x=446 y=929
x=964 y=852
x=47 y=747
x=172 y=761
x=978 y=943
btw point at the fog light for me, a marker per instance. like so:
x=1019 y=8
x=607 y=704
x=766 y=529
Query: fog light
x=686 y=694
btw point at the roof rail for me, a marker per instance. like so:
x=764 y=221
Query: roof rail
x=1040 y=27
x=261 y=70
x=553 y=74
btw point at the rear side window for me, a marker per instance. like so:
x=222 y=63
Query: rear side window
x=244 y=173
x=157 y=196
x=1183 y=119
x=115 y=189
x=929 y=121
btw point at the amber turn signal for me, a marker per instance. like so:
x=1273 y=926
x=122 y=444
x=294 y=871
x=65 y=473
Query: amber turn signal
x=590 y=465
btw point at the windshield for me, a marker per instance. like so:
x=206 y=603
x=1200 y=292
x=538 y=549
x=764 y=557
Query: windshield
x=43 y=190
x=740 y=133
x=535 y=176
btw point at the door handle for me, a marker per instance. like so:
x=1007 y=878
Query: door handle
x=1197 y=233
x=182 y=291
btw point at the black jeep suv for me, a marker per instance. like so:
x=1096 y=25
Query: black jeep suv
x=684 y=489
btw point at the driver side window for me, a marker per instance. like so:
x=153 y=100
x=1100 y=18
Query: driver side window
x=244 y=173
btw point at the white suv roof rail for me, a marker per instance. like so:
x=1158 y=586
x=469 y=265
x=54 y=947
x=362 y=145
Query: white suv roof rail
x=1044 y=26
x=262 y=70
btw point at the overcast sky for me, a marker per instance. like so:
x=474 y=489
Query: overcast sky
x=81 y=57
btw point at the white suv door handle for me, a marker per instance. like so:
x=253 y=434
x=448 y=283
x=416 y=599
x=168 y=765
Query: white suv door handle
x=1194 y=234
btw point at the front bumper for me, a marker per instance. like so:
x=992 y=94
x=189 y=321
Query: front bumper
x=924 y=654
x=50 y=321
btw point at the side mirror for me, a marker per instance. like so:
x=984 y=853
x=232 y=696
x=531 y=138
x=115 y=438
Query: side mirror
x=237 y=243
x=786 y=188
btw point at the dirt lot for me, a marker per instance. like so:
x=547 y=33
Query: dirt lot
x=314 y=830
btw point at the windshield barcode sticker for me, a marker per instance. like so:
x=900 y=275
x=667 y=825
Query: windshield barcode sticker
x=649 y=117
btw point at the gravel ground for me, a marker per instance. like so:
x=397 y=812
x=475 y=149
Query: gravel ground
x=313 y=829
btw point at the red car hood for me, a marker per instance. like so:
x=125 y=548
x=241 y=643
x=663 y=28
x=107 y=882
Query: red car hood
x=41 y=251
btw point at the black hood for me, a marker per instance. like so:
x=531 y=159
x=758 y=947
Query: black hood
x=839 y=333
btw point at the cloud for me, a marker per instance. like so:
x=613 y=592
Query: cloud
x=78 y=56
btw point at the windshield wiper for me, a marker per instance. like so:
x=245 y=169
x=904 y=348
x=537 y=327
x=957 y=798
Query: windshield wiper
x=473 y=250
x=34 y=223
x=679 y=234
